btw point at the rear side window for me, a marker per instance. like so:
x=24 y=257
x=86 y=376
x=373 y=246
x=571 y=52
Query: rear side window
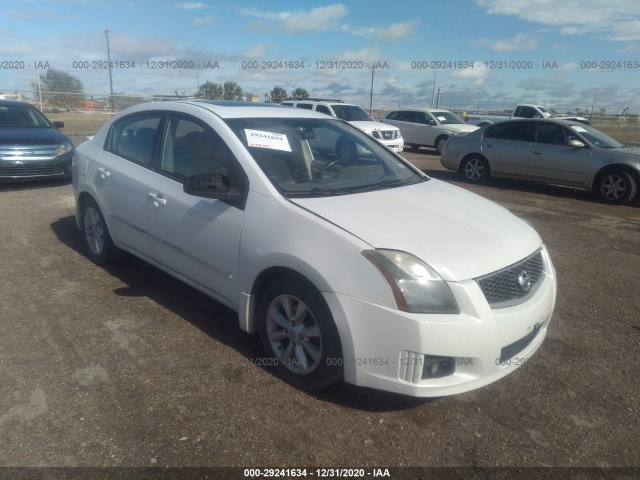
x=323 y=109
x=134 y=137
x=306 y=106
x=520 y=131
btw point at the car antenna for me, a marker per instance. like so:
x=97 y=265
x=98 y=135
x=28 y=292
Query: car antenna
x=177 y=94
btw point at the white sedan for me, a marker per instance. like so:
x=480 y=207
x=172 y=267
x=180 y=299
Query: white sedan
x=360 y=268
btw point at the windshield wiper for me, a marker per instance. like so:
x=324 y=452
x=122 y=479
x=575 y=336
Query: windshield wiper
x=319 y=191
x=382 y=184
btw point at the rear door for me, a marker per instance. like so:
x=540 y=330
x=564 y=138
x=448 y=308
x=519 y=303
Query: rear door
x=507 y=146
x=122 y=170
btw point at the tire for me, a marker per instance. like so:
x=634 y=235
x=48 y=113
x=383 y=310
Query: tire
x=475 y=169
x=298 y=334
x=616 y=187
x=441 y=142
x=95 y=235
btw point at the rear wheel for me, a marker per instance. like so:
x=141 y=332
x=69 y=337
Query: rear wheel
x=298 y=334
x=475 y=169
x=616 y=186
x=95 y=235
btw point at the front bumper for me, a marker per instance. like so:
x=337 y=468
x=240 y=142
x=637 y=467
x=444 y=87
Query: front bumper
x=53 y=168
x=391 y=350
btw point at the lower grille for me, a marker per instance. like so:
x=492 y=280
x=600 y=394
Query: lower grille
x=30 y=171
x=513 y=284
x=512 y=350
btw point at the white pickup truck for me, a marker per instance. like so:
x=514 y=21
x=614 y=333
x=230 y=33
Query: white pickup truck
x=521 y=111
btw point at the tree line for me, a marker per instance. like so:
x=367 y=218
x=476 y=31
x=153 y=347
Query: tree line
x=60 y=89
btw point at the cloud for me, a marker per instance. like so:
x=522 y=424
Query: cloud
x=192 y=5
x=519 y=42
x=300 y=21
x=615 y=20
x=478 y=74
x=396 y=31
x=204 y=21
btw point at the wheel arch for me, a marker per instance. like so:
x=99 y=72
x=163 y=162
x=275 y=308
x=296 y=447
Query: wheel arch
x=250 y=323
x=613 y=167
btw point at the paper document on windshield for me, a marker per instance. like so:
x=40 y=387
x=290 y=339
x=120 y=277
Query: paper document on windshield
x=272 y=140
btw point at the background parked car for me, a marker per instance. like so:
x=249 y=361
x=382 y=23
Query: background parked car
x=426 y=127
x=551 y=151
x=388 y=135
x=31 y=147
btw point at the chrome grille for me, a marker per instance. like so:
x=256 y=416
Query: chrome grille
x=28 y=152
x=388 y=134
x=503 y=289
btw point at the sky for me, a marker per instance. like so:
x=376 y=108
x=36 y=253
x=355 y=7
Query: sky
x=478 y=54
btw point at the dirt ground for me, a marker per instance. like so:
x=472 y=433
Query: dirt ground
x=126 y=367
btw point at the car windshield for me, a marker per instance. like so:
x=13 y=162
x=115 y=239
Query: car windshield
x=447 y=118
x=17 y=115
x=596 y=137
x=351 y=113
x=317 y=157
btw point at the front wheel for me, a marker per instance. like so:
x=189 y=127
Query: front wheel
x=441 y=143
x=298 y=334
x=616 y=187
x=95 y=235
x=475 y=169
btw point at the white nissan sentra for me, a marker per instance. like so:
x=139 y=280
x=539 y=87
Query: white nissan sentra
x=360 y=268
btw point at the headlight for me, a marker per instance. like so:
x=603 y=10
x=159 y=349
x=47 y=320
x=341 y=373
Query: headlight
x=64 y=148
x=416 y=287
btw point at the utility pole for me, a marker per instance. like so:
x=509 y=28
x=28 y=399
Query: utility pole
x=433 y=93
x=373 y=69
x=593 y=105
x=106 y=32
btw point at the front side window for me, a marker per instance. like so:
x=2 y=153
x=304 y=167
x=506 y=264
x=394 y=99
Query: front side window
x=550 y=133
x=191 y=148
x=133 y=137
x=318 y=157
x=323 y=109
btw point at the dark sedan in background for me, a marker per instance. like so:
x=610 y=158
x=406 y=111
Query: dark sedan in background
x=31 y=147
x=557 y=152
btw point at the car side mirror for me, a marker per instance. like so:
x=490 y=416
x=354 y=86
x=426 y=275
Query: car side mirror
x=58 y=124
x=212 y=185
x=576 y=144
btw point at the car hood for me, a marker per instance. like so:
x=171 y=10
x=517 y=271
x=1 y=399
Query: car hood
x=458 y=233
x=461 y=128
x=31 y=136
x=630 y=151
x=369 y=125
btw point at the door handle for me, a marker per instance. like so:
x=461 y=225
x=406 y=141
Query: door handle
x=537 y=153
x=489 y=145
x=157 y=199
x=104 y=173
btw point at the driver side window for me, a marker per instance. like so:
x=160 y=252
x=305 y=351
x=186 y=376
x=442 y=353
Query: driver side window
x=190 y=148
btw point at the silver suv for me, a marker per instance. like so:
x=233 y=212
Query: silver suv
x=388 y=135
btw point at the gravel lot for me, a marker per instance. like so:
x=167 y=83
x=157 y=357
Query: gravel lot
x=125 y=366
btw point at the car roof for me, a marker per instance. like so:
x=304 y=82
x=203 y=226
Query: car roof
x=558 y=120
x=227 y=109
x=322 y=102
x=14 y=103
x=419 y=109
